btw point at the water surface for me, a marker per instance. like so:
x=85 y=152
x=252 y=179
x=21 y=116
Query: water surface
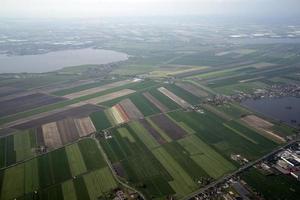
x=57 y=60
x=285 y=109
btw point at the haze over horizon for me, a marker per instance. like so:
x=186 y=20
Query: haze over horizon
x=103 y=8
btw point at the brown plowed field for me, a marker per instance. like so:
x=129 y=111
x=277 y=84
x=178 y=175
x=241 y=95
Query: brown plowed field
x=24 y=103
x=264 y=128
x=97 y=89
x=156 y=102
x=67 y=130
x=130 y=109
x=76 y=112
x=174 y=131
x=194 y=90
x=51 y=135
x=85 y=126
x=152 y=131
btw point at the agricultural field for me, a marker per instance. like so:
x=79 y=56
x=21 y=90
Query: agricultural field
x=7 y=91
x=194 y=90
x=178 y=100
x=79 y=111
x=23 y=145
x=51 y=176
x=97 y=89
x=100 y=120
x=110 y=96
x=56 y=134
x=227 y=137
x=28 y=102
x=17 y=147
x=186 y=149
x=164 y=121
x=273 y=186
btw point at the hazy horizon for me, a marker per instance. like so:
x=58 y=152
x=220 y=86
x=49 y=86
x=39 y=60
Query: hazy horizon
x=117 y=8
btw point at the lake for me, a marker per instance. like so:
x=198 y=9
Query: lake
x=284 y=109
x=57 y=60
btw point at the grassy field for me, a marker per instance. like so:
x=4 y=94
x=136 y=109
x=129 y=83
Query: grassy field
x=211 y=130
x=186 y=163
x=163 y=99
x=76 y=161
x=17 y=147
x=206 y=157
x=99 y=183
x=183 y=94
x=272 y=187
x=51 y=174
x=182 y=183
x=136 y=162
x=146 y=107
x=100 y=120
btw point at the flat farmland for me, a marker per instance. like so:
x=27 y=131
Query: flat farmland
x=273 y=186
x=84 y=126
x=79 y=86
x=117 y=115
x=51 y=175
x=264 y=128
x=226 y=137
x=28 y=102
x=174 y=97
x=5 y=91
x=100 y=120
x=97 y=89
x=185 y=95
x=158 y=166
x=133 y=160
x=130 y=109
x=143 y=104
x=56 y=134
x=189 y=87
x=17 y=147
x=174 y=131
x=205 y=156
x=155 y=134
x=163 y=99
x=110 y=96
x=75 y=112
x=155 y=102
x=51 y=135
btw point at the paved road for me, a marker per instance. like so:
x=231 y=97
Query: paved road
x=250 y=164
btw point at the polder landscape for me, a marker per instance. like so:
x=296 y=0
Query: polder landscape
x=181 y=111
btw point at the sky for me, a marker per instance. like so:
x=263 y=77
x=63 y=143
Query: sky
x=99 y=8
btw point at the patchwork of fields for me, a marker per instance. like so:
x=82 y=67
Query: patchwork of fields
x=77 y=171
x=157 y=135
x=179 y=152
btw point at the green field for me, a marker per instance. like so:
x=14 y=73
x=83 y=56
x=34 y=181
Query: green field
x=183 y=165
x=273 y=186
x=206 y=157
x=17 y=147
x=51 y=174
x=211 y=130
x=100 y=120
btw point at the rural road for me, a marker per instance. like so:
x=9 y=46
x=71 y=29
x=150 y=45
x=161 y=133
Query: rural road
x=93 y=136
x=213 y=184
